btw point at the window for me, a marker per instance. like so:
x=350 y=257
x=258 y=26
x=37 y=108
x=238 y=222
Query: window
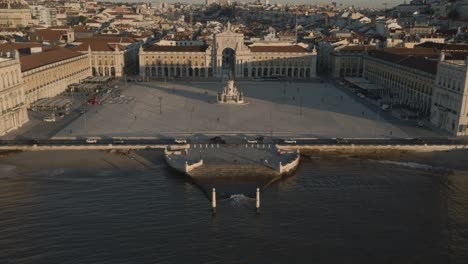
x=462 y=128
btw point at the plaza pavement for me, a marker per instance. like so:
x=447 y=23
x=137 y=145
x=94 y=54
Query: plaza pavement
x=318 y=110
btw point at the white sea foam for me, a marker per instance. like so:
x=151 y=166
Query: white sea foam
x=56 y=172
x=413 y=165
x=240 y=199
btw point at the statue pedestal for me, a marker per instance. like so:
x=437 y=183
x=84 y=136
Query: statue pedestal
x=230 y=94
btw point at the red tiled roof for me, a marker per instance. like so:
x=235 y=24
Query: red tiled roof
x=445 y=47
x=284 y=49
x=410 y=61
x=421 y=52
x=49 y=35
x=16 y=46
x=97 y=46
x=109 y=39
x=44 y=58
x=357 y=48
x=330 y=39
x=177 y=48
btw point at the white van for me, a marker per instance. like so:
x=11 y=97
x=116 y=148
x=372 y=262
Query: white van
x=49 y=119
x=91 y=141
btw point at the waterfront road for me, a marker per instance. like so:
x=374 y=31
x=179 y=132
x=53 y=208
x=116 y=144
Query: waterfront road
x=234 y=141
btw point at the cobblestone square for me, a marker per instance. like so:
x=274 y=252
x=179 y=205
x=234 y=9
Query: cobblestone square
x=306 y=109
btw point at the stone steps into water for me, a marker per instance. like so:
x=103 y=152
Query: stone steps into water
x=237 y=171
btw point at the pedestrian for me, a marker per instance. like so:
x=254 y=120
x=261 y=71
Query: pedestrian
x=135 y=117
x=391 y=132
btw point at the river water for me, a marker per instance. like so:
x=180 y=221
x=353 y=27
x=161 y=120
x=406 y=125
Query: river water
x=329 y=211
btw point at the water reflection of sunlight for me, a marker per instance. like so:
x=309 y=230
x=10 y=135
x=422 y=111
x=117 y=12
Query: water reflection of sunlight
x=188 y=188
x=287 y=183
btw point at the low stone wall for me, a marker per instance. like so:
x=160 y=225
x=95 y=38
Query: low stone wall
x=189 y=168
x=81 y=147
x=417 y=148
x=288 y=168
x=175 y=160
x=172 y=162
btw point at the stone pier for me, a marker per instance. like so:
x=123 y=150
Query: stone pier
x=190 y=159
x=223 y=166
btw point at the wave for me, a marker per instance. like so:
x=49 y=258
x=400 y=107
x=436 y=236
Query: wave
x=240 y=199
x=7 y=170
x=413 y=165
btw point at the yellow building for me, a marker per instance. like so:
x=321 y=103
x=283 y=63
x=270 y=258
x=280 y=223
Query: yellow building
x=14 y=13
x=49 y=73
x=450 y=108
x=408 y=80
x=226 y=56
x=110 y=55
x=13 y=112
x=348 y=61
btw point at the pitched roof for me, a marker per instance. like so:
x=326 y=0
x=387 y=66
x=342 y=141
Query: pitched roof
x=410 y=61
x=109 y=38
x=49 y=35
x=421 y=52
x=97 y=46
x=444 y=46
x=177 y=48
x=18 y=46
x=283 y=49
x=456 y=47
x=44 y=58
x=430 y=44
x=357 y=48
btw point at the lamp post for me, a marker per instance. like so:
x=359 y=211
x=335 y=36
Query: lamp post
x=173 y=86
x=191 y=114
x=300 y=100
x=300 y=106
x=160 y=104
x=284 y=89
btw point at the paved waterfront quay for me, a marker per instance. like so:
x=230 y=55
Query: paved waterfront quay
x=241 y=155
x=279 y=108
x=221 y=166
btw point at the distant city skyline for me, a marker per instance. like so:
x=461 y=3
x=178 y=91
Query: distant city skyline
x=358 y=3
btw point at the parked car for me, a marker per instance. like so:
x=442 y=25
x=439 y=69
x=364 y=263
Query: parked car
x=91 y=141
x=217 y=140
x=290 y=141
x=341 y=140
x=418 y=141
x=252 y=141
x=118 y=141
x=180 y=141
x=260 y=139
